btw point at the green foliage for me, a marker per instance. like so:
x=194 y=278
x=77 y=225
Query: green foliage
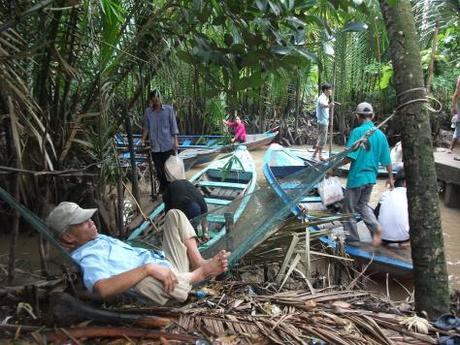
x=386 y=75
x=234 y=161
x=74 y=73
x=112 y=13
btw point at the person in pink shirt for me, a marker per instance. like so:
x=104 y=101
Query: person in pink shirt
x=239 y=129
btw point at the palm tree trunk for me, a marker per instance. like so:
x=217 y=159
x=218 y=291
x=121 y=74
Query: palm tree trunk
x=430 y=272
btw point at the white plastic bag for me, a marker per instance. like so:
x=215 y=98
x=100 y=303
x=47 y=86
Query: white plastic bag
x=330 y=190
x=174 y=168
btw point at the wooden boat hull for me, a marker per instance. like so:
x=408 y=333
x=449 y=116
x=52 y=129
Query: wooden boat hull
x=280 y=162
x=192 y=157
x=220 y=188
x=253 y=141
x=396 y=261
x=344 y=169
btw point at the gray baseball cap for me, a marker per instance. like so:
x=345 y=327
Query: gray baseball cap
x=364 y=108
x=66 y=214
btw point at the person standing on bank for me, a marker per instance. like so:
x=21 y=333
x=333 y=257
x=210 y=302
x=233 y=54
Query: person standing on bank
x=456 y=116
x=322 y=116
x=363 y=174
x=160 y=127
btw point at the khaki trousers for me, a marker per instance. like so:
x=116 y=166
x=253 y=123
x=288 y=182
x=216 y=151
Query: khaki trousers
x=176 y=230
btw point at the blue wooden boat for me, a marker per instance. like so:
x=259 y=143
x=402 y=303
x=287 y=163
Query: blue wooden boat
x=344 y=169
x=191 y=157
x=197 y=156
x=223 y=182
x=280 y=162
x=253 y=141
x=396 y=261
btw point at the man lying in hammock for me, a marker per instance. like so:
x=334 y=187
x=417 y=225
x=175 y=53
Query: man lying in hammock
x=111 y=267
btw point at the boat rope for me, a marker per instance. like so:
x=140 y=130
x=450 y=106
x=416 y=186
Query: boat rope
x=140 y=208
x=425 y=100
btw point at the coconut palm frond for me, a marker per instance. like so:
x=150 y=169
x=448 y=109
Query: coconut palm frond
x=432 y=14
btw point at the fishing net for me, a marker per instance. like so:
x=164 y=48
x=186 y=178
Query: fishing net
x=239 y=222
x=242 y=216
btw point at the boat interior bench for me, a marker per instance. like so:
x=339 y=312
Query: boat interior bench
x=230 y=176
x=219 y=202
x=284 y=171
x=218 y=184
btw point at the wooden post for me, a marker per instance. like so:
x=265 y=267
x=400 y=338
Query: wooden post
x=132 y=159
x=307 y=253
x=43 y=247
x=153 y=189
x=120 y=207
x=15 y=146
x=331 y=110
x=15 y=232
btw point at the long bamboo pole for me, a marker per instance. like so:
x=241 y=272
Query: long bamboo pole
x=16 y=149
x=331 y=110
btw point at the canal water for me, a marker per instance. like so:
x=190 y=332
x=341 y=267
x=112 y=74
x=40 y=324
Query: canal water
x=28 y=250
x=450 y=218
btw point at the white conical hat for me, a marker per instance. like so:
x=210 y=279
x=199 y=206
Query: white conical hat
x=174 y=169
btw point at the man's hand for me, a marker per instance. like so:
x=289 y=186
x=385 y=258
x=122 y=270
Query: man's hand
x=390 y=182
x=331 y=172
x=163 y=274
x=331 y=105
x=175 y=145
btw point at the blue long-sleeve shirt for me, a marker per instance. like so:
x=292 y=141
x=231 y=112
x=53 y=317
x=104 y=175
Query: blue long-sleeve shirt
x=106 y=256
x=162 y=127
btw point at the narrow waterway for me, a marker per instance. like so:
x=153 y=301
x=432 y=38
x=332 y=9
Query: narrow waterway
x=450 y=218
x=28 y=245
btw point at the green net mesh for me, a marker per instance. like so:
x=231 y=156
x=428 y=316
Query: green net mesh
x=240 y=217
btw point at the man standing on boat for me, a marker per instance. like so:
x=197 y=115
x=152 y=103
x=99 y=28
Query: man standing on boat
x=160 y=127
x=111 y=267
x=322 y=116
x=363 y=174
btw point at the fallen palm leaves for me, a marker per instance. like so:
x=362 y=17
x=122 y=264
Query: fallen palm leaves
x=239 y=313
x=298 y=317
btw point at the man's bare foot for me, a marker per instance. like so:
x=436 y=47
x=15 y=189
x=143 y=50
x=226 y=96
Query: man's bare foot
x=216 y=265
x=321 y=158
x=211 y=268
x=449 y=150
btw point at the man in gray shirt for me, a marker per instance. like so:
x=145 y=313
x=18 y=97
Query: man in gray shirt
x=161 y=127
